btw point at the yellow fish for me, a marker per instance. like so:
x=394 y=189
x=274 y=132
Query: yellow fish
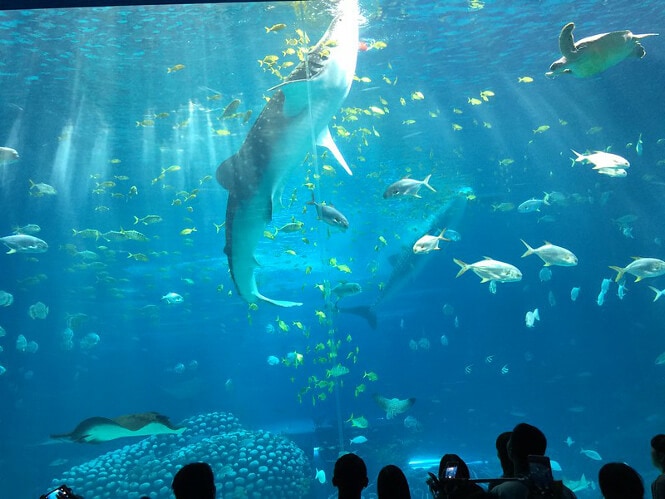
x=177 y=67
x=186 y=232
x=275 y=27
x=525 y=79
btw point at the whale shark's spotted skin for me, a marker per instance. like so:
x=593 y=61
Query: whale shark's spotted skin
x=300 y=108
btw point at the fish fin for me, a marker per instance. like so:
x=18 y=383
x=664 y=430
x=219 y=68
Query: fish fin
x=11 y=251
x=426 y=183
x=464 y=266
x=226 y=173
x=566 y=40
x=529 y=249
x=365 y=312
x=619 y=272
x=296 y=96
x=657 y=291
x=638 y=279
x=579 y=158
x=484 y=280
x=644 y=35
x=547 y=264
x=326 y=140
x=279 y=303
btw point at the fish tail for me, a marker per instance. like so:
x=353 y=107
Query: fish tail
x=619 y=272
x=443 y=231
x=426 y=183
x=136 y=219
x=579 y=157
x=529 y=249
x=279 y=303
x=657 y=291
x=365 y=312
x=464 y=266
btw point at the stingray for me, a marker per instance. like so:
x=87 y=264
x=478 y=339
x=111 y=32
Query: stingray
x=394 y=406
x=98 y=429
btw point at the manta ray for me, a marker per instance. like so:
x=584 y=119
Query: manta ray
x=394 y=406
x=292 y=122
x=98 y=429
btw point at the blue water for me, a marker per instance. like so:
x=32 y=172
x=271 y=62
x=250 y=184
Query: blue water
x=87 y=100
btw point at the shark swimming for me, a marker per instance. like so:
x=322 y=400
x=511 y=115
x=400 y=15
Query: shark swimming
x=292 y=122
x=407 y=265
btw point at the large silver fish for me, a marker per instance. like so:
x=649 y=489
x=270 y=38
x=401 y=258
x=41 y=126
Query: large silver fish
x=299 y=110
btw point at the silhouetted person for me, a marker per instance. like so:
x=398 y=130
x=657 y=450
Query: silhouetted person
x=349 y=476
x=392 y=484
x=658 y=459
x=507 y=469
x=526 y=440
x=452 y=480
x=194 y=481
x=620 y=481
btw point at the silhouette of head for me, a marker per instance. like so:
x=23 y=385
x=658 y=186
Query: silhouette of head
x=526 y=440
x=392 y=484
x=462 y=468
x=502 y=453
x=620 y=481
x=658 y=451
x=350 y=474
x=194 y=481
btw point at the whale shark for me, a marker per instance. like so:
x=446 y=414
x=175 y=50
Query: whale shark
x=291 y=124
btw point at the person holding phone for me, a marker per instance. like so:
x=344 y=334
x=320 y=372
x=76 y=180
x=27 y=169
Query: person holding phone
x=452 y=481
x=526 y=445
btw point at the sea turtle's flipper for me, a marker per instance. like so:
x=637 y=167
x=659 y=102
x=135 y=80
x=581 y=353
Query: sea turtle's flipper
x=566 y=40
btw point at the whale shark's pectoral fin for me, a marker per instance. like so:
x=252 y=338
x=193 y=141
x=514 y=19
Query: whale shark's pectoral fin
x=296 y=97
x=326 y=140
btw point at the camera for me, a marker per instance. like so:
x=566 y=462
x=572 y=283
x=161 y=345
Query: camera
x=62 y=492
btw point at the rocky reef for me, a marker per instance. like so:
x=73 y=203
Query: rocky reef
x=246 y=463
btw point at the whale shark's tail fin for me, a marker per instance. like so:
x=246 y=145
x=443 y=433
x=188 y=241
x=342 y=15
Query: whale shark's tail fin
x=363 y=311
x=279 y=303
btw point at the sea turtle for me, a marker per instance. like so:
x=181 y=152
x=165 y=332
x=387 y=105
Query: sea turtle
x=595 y=54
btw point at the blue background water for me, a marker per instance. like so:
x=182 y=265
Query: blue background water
x=74 y=86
